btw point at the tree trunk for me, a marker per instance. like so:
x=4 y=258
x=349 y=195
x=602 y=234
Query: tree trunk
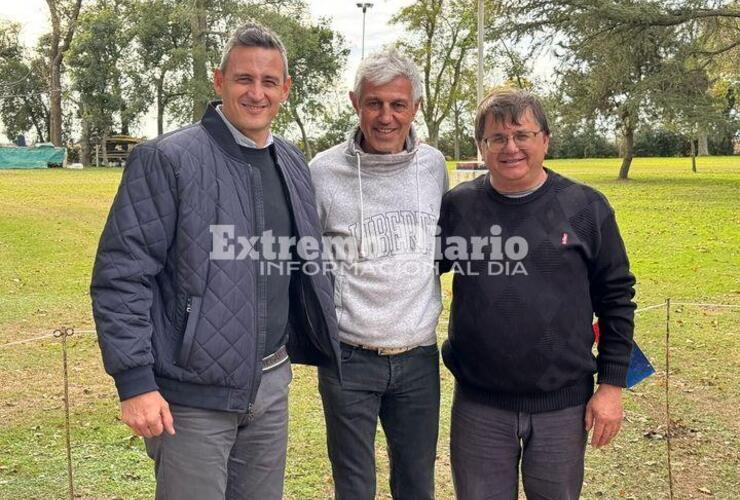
x=160 y=105
x=198 y=29
x=703 y=144
x=433 y=139
x=55 y=112
x=693 y=156
x=85 y=152
x=59 y=45
x=306 y=144
x=36 y=124
x=125 y=122
x=629 y=147
x=104 y=148
x=456 y=152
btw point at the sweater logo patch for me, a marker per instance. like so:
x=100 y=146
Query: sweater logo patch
x=564 y=239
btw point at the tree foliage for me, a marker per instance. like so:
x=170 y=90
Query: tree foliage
x=440 y=37
x=161 y=37
x=316 y=57
x=23 y=84
x=632 y=61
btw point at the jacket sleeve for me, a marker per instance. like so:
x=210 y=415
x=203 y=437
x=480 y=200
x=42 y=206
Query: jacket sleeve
x=131 y=252
x=612 y=290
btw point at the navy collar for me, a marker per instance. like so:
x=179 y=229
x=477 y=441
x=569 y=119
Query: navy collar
x=217 y=129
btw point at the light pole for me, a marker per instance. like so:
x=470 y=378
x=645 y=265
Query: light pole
x=480 y=59
x=364 y=6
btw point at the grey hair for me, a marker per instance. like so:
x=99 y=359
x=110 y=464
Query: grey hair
x=385 y=66
x=254 y=35
x=508 y=105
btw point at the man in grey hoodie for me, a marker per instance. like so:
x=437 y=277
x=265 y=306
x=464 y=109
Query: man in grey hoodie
x=378 y=197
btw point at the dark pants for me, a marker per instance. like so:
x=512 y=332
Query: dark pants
x=218 y=455
x=487 y=445
x=403 y=390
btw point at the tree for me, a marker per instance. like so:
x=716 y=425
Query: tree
x=629 y=60
x=105 y=82
x=463 y=113
x=200 y=88
x=64 y=15
x=440 y=38
x=161 y=38
x=22 y=86
x=337 y=124
x=316 y=57
x=618 y=78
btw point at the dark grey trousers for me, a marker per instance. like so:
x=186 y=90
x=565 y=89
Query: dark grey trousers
x=216 y=455
x=403 y=392
x=487 y=446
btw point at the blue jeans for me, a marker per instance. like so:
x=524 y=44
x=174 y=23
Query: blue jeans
x=488 y=445
x=403 y=391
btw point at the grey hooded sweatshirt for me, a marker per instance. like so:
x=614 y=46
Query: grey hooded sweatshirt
x=378 y=214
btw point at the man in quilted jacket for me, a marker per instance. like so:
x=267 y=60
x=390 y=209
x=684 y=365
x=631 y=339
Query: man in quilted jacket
x=195 y=306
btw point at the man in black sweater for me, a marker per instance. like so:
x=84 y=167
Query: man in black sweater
x=535 y=256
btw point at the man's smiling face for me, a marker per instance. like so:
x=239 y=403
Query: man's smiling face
x=252 y=87
x=386 y=113
x=516 y=168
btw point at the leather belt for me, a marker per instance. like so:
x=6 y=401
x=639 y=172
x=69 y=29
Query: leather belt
x=382 y=351
x=275 y=359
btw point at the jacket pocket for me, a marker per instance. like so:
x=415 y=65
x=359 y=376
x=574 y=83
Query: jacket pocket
x=192 y=313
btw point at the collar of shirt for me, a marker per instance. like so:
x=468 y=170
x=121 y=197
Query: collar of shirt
x=240 y=138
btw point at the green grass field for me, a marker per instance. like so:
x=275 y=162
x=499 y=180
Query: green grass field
x=682 y=231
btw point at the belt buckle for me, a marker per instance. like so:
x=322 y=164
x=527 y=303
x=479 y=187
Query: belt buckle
x=391 y=351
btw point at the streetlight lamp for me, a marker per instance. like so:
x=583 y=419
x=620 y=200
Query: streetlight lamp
x=364 y=6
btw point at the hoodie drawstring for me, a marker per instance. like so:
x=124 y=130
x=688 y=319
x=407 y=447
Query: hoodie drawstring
x=362 y=207
x=419 y=249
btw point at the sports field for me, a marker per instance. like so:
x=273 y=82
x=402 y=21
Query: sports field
x=682 y=231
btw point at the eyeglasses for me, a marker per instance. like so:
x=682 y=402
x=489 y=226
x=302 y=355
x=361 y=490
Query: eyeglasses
x=522 y=139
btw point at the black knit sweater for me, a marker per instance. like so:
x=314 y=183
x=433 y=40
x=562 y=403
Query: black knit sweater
x=520 y=332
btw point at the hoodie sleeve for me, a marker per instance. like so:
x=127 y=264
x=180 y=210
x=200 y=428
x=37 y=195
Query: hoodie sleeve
x=132 y=250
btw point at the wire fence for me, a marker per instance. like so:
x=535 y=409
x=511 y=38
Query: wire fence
x=61 y=381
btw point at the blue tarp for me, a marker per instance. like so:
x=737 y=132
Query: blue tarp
x=40 y=156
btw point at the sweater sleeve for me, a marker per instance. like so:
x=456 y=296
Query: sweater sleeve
x=444 y=265
x=132 y=250
x=612 y=291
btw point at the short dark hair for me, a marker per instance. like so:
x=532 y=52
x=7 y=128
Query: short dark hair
x=508 y=105
x=254 y=35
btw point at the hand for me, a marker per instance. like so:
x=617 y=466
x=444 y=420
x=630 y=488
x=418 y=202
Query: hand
x=147 y=414
x=604 y=414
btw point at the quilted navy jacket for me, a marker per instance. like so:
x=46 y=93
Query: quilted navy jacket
x=171 y=319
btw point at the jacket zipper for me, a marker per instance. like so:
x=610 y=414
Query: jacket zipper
x=188 y=309
x=259 y=227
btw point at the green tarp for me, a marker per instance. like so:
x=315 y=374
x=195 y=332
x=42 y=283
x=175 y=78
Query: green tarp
x=35 y=157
